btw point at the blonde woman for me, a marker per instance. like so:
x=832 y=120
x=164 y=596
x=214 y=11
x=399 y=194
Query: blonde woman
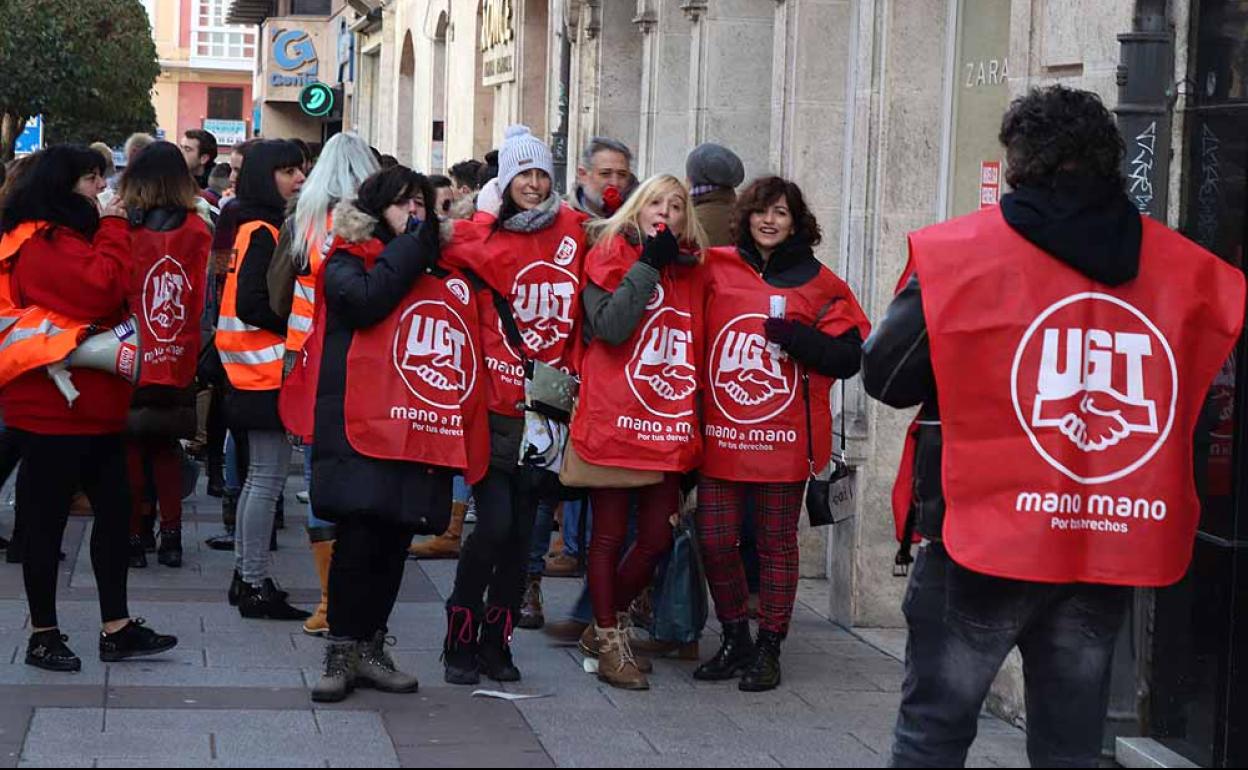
x=642 y=302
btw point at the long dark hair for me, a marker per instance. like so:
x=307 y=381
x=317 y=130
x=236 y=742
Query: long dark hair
x=46 y=191
x=159 y=179
x=258 y=197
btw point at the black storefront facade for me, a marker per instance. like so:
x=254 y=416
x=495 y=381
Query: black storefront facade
x=1181 y=678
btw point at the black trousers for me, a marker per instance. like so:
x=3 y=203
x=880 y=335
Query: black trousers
x=963 y=624
x=53 y=469
x=10 y=454
x=495 y=555
x=365 y=575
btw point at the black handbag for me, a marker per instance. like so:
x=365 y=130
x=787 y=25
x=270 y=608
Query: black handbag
x=830 y=500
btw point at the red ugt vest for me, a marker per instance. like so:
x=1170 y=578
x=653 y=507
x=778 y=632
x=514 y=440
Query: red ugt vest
x=1068 y=406
x=540 y=275
x=753 y=410
x=638 y=400
x=416 y=381
x=167 y=296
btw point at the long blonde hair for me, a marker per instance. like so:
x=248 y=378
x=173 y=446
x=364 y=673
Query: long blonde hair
x=628 y=218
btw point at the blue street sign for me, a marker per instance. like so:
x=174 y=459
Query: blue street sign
x=31 y=139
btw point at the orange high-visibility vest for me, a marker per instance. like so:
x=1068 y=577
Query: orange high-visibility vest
x=252 y=356
x=303 y=305
x=30 y=337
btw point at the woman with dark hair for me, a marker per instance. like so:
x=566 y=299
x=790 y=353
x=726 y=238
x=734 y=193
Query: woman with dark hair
x=251 y=341
x=398 y=333
x=170 y=269
x=530 y=259
x=74 y=263
x=780 y=328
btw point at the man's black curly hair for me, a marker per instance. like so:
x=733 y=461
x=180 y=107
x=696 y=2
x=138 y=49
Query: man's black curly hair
x=1058 y=130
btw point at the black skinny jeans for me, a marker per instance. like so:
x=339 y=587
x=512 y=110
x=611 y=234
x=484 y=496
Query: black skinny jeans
x=495 y=555
x=365 y=575
x=963 y=624
x=53 y=469
x=10 y=454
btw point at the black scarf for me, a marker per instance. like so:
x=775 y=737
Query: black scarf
x=792 y=264
x=1089 y=224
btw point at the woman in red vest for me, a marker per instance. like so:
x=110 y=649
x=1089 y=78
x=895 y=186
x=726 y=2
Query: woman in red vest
x=170 y=269
x=78 y=264
x=780 y=327
x=399 y=409
x=251 y=340
x=344 y=163
x=529 y=258
x=638 y=403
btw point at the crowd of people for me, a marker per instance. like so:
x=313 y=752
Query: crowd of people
x=637 y=353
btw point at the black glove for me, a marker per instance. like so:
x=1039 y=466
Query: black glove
x=782 y=331
x=428 y=237
x=661 y=249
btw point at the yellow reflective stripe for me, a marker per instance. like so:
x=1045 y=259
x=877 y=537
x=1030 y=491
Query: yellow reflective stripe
x=269 y=355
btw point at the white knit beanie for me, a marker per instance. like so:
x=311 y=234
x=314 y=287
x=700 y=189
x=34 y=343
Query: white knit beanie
x=520 y=152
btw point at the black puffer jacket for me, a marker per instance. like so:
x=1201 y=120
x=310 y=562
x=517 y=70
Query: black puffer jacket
x=344 y=482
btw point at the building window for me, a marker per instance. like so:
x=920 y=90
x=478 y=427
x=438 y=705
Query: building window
x=311 y=7
x=215 y=42
x=225 y=103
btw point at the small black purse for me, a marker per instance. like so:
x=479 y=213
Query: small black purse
x=830 y=500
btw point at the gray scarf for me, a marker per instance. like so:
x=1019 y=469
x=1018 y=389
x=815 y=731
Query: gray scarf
x=538 y=218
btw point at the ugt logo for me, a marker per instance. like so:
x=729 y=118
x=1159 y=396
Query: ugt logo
x=164 y=299
x=434 y=354
x=749 y=381
x=544 y=299
x=661 y=372
x=1094 y=385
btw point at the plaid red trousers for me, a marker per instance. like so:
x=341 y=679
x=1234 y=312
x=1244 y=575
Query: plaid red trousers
x=777 y=508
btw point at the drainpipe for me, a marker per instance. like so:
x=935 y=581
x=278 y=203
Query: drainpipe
x=1145 y=96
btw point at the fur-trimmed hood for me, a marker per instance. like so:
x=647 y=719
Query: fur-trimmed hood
x=354 y=225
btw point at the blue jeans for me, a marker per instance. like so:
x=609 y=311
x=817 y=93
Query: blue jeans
x=962 y=625
x=460 y=491
x=545 y=524
x=572 y=526
x=233 y=479
x=318 y=529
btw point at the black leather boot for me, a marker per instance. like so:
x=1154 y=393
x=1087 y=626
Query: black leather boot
x=229 y=514
x=459 y=650
x=734 y=656
x=764 y=672
x=495 y=652
x=138 y=553
x=169 y=552
x=268 y=602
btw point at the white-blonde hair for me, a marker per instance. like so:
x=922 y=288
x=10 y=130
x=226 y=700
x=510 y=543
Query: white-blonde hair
x=628 y=218
x=345 y=162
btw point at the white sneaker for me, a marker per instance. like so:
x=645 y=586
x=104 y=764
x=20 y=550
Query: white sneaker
x=302 y=497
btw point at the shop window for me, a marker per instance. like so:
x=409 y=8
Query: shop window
x=225 y=103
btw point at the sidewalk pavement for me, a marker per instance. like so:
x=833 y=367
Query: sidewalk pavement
x=235 y=692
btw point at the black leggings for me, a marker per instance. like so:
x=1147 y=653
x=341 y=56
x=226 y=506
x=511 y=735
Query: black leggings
x=53 y=469
x=496 y=554
x=365 y=575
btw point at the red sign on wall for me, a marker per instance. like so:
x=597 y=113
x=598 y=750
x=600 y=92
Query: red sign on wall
x=989 y=183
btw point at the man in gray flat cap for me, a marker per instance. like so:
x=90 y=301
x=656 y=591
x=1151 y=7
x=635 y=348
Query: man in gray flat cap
x=714 y=173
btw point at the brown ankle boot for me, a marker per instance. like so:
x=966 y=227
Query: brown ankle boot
x=318 y=624
x=591 y=646
x=531 y=615
x=445 y=545
x=616 y=665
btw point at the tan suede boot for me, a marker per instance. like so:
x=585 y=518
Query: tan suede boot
x=318 y=624
x=445 y=545
x=616 y=665
x=591 y=647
